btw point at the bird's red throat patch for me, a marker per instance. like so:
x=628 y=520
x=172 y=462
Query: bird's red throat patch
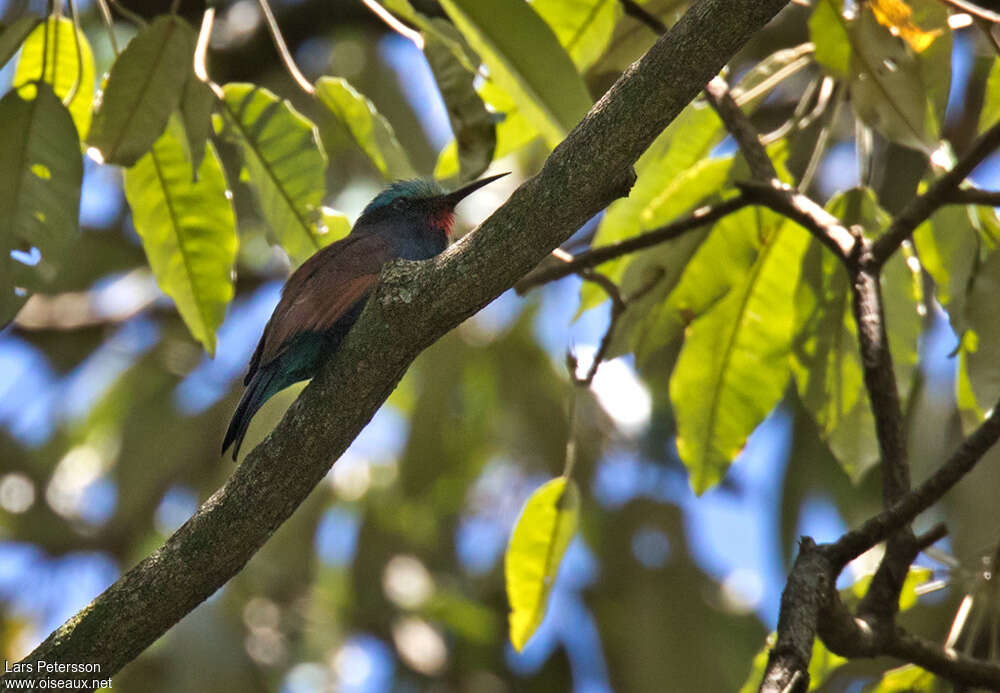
x=443 y=219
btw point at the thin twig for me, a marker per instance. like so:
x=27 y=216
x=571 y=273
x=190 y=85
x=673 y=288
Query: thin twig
x=201 y=52
x=393 y=22
x=821 y=141
x=128 y=14
x=71 y=94
x=702 y=216
x=286 y=56
x=637 y=11
x=881 y=526
x=108 y=24
x=923 y=206
x=973 y=196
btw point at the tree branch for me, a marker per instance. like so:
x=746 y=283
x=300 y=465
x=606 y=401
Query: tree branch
x=923 y=206
x=785 y=200
x=973 y=196
x=886 y=523
x=702 y=216
x=415 y=304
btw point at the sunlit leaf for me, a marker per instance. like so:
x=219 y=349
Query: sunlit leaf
x=688 y=140
x=733 y=367
x=41 y=165
x=285 y=163
x=145 y=86
x=70 y=73
x=908 y=596
x=188 y=230
x=13 y=36
x=907 y=679
x=583 y=27
x=365 y=125
x=475 y=131
x=525 y=59
x=537 y=544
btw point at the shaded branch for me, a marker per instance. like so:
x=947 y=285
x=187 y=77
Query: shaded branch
x=640 y=13
x=882 y=526
x=923 y=206
x=415 y=304
x=973 y=196
x=702 y=216
x=739 y=126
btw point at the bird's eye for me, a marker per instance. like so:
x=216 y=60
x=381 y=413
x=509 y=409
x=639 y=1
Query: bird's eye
x=399 y=203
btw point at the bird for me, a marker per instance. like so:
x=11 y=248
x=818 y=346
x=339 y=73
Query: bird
x=323 y=298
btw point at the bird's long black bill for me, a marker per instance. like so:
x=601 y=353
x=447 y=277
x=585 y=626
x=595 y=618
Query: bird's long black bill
x=455 y=197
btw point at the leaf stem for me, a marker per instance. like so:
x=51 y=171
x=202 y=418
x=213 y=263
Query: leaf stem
x=108 y=24
x=394 y=23
x=201 y=52
x=79 y=55
x=286 y=57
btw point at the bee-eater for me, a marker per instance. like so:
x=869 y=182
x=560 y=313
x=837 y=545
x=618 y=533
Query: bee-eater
x=409 y=220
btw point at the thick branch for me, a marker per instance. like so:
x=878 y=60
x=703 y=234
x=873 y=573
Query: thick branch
x=416 y=304
x=923 y=206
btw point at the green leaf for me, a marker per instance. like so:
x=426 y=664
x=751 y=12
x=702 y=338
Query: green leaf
x=583 y=27
x=908 y=595
x=886 y=83
x=991 y=99
x=733 y=367
x=13 y=36
x=475 y=131
x=828 y=31
x=949 y=249
x=934 y=62
x=906 y=679
x=67 y=74
x=197 y=103
x=143 y=89
x=688 y=140
x=285 y=163
x=188 y=230
x=526 y=61
x=826 y=360
x=539 y=540
x=981 y=345
x=887 y=91
x=365 y=125
x=42 y=169
x=822 y=663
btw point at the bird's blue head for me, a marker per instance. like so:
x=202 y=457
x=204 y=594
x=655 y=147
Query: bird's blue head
x=418 y=205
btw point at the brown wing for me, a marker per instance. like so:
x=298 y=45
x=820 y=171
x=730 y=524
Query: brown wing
x=320 y=291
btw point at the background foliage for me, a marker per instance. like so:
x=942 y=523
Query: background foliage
x=167 y=242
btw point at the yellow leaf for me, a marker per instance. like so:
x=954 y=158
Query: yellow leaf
x=537 y=544
x=895 y=14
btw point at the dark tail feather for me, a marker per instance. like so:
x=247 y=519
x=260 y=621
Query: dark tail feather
x=258 y=392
